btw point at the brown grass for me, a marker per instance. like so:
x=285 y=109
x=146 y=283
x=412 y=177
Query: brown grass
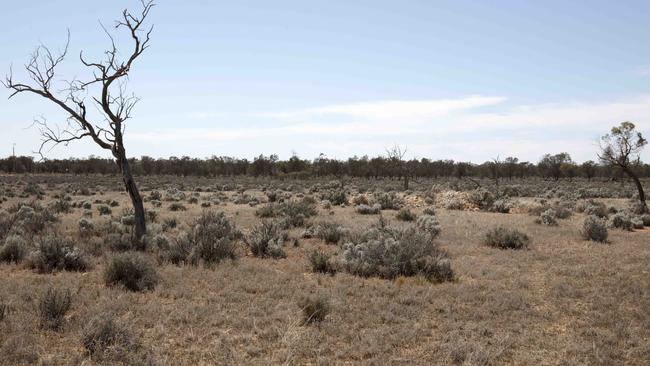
x=565 y=301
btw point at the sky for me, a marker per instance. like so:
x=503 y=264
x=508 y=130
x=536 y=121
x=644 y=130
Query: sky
x=461 y=80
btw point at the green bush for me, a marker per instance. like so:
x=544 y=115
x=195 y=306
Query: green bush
x=131 y=270
x=504 y=238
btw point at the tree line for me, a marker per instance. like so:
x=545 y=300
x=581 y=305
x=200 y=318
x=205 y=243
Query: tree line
x=550 y=166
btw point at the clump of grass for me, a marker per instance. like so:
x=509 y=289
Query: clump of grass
x=269 y=210
x=52 y=307
x=267 y=240
x=109 y=341
x=14 y=249
x=405 y=214
x=320 y=262
x=431 y=211
x=314 y=309
x=504 y=238
x=131 y=270
x=594 y=229
x=330 y=232
x=177 y=207
x=104 y=210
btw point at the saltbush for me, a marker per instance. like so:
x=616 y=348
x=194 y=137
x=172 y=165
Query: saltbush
x=267 y=240
x=57 y=254
x=594 y=228
x=131 y=270
x=389 y=253
x=504 y=238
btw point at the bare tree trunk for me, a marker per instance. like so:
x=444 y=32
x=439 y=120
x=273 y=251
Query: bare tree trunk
x=639 y=187
x=134 y=194
x=406 y=182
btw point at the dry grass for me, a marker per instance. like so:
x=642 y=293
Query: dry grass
x=565 y=301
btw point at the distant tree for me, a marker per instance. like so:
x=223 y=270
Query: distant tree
x=395 y=156
x=552 y=166
x=114 y=104
x=621 y=148
x=510 y=165
x=588 y=169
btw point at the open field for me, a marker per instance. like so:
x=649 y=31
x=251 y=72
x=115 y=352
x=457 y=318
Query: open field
x=563 y=300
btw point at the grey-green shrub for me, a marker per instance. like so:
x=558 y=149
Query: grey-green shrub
x=131 y=270
x=389 y=253
x=213 y=238
x=621 y=220
x=505 y=238
x=330 y=232
x=55 y=253
x=389 y=201
x=405 y=214
x=320 y=262
x=13 y=250
x=429 y=211
x=594 y=228
x=501 y=205
x=368 y=210
x=428 y=224
x=548 y=218
x=267 y=240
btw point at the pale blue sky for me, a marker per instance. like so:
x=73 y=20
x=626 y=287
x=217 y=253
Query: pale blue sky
x=465 y=80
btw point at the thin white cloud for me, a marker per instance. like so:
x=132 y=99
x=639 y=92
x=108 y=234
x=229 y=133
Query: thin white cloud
x=456 y=129
x=642 y=70
x=390 y=108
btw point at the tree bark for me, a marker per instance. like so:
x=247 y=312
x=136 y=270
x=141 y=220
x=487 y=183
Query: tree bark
x=134 y=194
x=639 y=187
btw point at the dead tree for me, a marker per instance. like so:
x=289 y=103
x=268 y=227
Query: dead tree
x=621 y=147
x=396 y=157
x=108 y=81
